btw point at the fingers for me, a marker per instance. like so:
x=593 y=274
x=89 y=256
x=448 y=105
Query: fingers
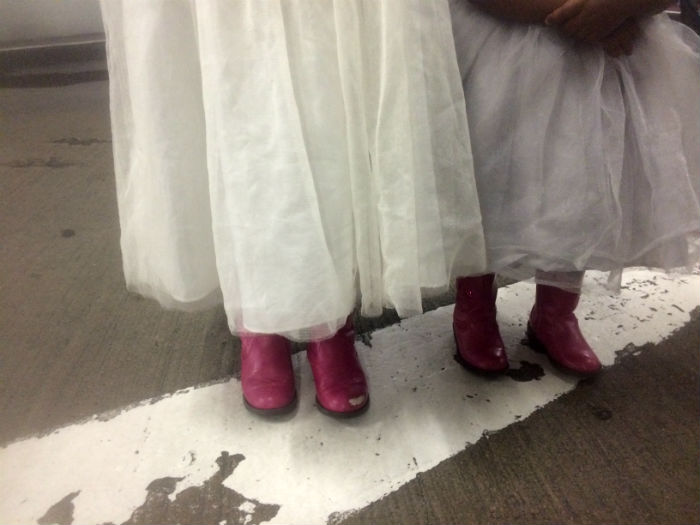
x=588 y=20
x=585 y=30
x=564 y=13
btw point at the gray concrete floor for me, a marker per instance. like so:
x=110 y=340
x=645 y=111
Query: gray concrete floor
x=73 y=343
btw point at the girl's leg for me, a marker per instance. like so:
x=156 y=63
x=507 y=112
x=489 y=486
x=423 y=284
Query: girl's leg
x=267 y=377
x=479 y=343
x=553 y=327
x=341 y=387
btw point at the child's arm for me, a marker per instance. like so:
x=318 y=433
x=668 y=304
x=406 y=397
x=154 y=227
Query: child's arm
x=589 y=20
x=525 y=11
x=593 y=20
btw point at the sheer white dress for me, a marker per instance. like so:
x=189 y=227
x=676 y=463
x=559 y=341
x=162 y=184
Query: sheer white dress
x=291 y=158
x=582 y=161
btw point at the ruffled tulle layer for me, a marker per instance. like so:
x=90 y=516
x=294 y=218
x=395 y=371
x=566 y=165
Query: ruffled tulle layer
x=290 y=158
x=582 y=161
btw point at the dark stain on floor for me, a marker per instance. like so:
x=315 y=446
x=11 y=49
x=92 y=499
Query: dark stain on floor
x=366 y=339
x=211 y=502
x=527 y=372
x=60 y=513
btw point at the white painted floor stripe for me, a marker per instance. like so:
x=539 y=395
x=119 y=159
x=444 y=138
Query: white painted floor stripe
x=425 y=408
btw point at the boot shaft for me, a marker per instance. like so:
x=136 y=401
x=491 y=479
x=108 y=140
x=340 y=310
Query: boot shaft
x=554 y=301
x=476 y=294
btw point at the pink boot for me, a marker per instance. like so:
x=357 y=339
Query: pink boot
x=267 y=377
x=553 y=329
x=341 y=387
x=479 y=344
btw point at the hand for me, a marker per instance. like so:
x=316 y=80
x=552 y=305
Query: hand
x=621 y=41
x=589 y=20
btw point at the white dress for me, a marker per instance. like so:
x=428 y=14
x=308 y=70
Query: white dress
x=292 y=158
x=582 y=161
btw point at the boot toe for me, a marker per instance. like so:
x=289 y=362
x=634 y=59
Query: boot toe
x=269 y=397
x=490 y=361
x=481 y=351
x=583 y=364
x=497 y=361
x=343 y=399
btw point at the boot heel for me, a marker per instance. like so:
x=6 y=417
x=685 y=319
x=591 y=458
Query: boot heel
x=272 y=412
x=533 y=342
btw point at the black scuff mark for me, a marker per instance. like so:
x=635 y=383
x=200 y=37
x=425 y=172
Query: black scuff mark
x=67 y=233
x=60 y=513
x=73 y=141
x=602 y=413
x=527 y=372
x=210 y=502
x=51 y=162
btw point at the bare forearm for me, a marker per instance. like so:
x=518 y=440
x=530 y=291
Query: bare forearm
x=525 y=11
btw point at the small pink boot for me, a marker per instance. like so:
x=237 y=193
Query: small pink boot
x=553 y=329
x=341 y=387
x=267 y=376
x=479 y=344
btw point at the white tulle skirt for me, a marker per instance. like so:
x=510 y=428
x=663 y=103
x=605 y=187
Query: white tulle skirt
x=582 y=161
x=292 y=158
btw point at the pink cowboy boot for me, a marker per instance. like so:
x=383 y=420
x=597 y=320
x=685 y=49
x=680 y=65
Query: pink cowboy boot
x=341 y=387
x=479 y=344
x=553 y=329
x=267 y=377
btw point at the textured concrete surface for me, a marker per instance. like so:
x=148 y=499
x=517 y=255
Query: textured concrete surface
x=620 y=449
x=74 y=343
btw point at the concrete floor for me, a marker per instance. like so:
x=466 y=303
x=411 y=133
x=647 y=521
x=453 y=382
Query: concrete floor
x=73 y=343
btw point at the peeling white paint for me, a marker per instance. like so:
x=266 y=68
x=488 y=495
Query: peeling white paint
x=425 y=408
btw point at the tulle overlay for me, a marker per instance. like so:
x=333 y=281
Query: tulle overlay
x=290 y=158
x=582 y=161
